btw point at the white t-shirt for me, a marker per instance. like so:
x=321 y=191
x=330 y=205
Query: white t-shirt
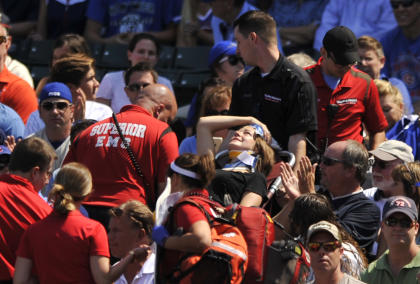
x=145 y=276
x=112 y=88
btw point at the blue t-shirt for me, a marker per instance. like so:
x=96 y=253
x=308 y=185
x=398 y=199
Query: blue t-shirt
x=403 y=60
x=123 y=16
x=407 y=130
x=10 y=122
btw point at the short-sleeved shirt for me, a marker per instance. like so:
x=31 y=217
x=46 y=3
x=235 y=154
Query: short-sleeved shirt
x=357 y=99
x=60 y=247
x=10 y=122
x=123 y=16
x=115 y=179
x=379 y=271
x=285 y=100
x=17 y=94
x=20 y=207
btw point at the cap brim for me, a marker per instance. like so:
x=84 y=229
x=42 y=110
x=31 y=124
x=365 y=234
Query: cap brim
x=384 y=156
x=399 y=210
x=347 y=58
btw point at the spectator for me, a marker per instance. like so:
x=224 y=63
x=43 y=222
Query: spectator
x=130 y=227
x=77 y=71
x=152 y=142
x=15 y=92
x=4 y=159
x=83 y=254
x=30 y=169
x=57 y=18
x=56 y=110
x=215 y=101
x=195 y=25
x=401 y=127
x=19 y=69
x=20 y=16
x=402 y=46
x=343 y=170
x=301 y=59
x=347 y=98
x=65 y=45
x=297 y=21
x=121 y=19
x=10 y=122
x=387 y=157
x=372 y=18
x=143 y=48
x=325 y=248
x=242 y=168
x=400 y=263
x=261 y=92
x=372 y=60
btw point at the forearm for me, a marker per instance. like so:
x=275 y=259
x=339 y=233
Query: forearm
x=166 y=36
x=376 y=139
x=22 y=29
x=297 y=145
x=283 y=218
x=188 y=243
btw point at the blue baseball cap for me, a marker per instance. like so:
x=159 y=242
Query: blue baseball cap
x=4 y=150
x=55 y=90
x=221 y=48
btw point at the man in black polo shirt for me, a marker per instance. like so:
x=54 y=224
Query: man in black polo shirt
x=275 y=91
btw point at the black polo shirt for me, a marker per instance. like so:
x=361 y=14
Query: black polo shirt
x=285 y=100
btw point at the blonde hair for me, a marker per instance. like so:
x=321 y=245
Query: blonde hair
x=370 y=43
x=73 y=183
x=216 y=97
x=266 y=156
x=409 y=175
x=385 y=88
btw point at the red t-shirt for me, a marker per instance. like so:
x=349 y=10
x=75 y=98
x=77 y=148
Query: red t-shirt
x=17 y=94
x=358 y=101
x=115 y=180
x=20 y=206
x=60 y=247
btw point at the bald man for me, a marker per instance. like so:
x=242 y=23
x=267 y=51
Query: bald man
x=154 y=147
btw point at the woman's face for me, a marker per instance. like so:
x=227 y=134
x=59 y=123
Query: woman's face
x=397 y=188
x=230 y=69
x=144 y=51
x=243 y=139
x=392 y=111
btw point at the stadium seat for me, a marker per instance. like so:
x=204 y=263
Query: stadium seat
x=192 y=58
x=114 y=56
x=166 y=57
x=39 y=52
x=38 y=72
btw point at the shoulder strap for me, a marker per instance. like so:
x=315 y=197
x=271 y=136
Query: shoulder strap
x=166 y=131
x=135 y=164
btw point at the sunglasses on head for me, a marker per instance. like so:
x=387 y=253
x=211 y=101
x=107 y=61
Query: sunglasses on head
x=405 y=4
x=330 y=161
x=328 y=246
x=232 y=59
x=118 y=212
x=135 y=87
x=3 y=39
x=405 y=223
x=215 y=112
x=58 y=105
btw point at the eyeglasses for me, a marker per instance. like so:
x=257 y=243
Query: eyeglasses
x=58 y=105
x=232 y=59
x=330 y=161
x=380 y=163
x=3 y=39
x=405 y=223
x=405 y=4
x=135 y=87
x=118 y=212
x=328 y=246
x=215 y=112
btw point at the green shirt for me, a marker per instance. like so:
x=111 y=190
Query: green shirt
x=379 y=272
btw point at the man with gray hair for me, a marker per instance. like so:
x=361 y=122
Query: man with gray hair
x=343 y=170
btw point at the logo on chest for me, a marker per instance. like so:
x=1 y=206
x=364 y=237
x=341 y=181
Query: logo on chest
x=346 y=102
x=271 y=98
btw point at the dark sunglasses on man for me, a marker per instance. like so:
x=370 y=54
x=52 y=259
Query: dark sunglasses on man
x=404 y=3
x=327 y=246
x=232 y=59
x=405 y=222
x=58 y=105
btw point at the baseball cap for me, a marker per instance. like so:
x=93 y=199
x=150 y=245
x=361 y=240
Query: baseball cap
x=401 y=204
x=393 y=149
x=324 y=226
x=55 y=90
x=342 y=43
x=225 y=47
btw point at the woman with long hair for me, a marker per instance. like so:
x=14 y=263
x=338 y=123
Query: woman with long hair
x=242 y=168
x=66 y=246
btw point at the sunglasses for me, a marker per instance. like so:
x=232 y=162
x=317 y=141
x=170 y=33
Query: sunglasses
x=232 y=59
x=405 y=4
x=118 y=212
x=215 y=112
x=3 y=39
x=58 y=105
x=328 y=246
x=330 y=161
x=380 y=164
x=135 y=87
x=405 y=223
